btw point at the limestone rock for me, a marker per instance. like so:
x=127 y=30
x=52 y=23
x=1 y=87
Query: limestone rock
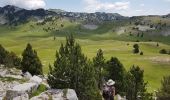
x=27 y=75
x=36 y=79
x=20 y=91
x=57 y=94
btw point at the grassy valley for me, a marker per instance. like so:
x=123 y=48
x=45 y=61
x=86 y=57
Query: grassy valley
x=115 y=38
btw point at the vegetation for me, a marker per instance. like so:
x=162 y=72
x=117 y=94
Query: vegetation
x=136 y=48
x=164 y=92
x=73 y=70
x=30 y=61
x=99 y=66
x=105 y=37
x=116 y=72
x=9 y=59
x=41 y=88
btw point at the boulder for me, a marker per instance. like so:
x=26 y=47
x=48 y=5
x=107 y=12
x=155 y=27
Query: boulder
x=36 y=79
x=71 y=94
x=27 y=75
x=20 y=91
x=57 y=94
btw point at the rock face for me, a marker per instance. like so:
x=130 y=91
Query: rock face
x=57 y=94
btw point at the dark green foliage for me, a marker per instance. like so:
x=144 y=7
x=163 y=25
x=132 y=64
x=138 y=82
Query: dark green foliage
x=136 y=86
x=164 y=92
x=30 y=61
x=136 y=48
x=163 y=51
x=116 y=72
x=141 y=53
x=12 y=60
x=9 y=59
x=73 y=70
x=157 y=44
x=99 y=64
x=3 y=54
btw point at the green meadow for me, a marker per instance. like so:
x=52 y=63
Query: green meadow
x=155 y=65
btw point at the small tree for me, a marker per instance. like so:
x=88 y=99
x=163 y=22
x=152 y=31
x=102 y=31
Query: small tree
x=99 y=64
x=136 y=48
x=164 y=91
x=3 y=54
x=31 y=62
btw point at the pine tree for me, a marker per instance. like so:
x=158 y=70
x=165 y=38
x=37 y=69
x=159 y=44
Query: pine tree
x=99 y=64
x=164 y=91
x=116 y=72
x=30 y=61
x=73 y=70
x=3 y=54
x=136 y=86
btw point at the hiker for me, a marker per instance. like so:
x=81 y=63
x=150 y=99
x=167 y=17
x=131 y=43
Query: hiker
x=109 y=90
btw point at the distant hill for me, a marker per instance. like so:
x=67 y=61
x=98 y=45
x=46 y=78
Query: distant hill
x=12 y=14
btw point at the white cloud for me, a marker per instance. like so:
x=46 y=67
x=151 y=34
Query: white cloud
x=97 y=5
x=27 y=4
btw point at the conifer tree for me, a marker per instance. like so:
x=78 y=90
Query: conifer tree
x=117 y=72
x=164 y=91
x=73 y=70
x=136 y=87
x=30 y=61
x=3 y=54
x=99 y=64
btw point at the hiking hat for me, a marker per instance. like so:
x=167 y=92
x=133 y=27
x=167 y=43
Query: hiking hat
x=110 y=82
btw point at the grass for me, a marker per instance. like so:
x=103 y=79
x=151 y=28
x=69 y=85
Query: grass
x=41 y=88
x=10 y=79
x=104 y=38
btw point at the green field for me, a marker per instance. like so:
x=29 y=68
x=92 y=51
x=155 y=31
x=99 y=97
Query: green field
x=154 y=64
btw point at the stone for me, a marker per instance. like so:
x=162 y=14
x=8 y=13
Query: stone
x=57 y=94
x=71 y=94
x=21 y=90
x=36 y=79
x=27 y=75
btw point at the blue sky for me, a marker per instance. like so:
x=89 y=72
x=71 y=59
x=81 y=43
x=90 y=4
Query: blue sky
x=124 y=7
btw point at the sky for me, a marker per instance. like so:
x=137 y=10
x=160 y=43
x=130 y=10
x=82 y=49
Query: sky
x=123 y=7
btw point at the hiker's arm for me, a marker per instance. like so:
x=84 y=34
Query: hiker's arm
x=113 y=91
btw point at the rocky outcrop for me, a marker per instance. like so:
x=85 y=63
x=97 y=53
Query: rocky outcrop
x=17 y=86
x=58 y=94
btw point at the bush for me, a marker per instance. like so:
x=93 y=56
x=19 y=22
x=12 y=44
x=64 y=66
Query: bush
x=163 y=51
x=136 y=48
x=141 y=53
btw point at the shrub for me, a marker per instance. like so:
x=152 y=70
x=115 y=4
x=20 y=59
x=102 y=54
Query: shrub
x=163 y=51
x=136 y=48
x=141 y=53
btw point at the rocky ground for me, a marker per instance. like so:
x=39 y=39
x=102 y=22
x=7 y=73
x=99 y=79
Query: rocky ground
x=14 y=85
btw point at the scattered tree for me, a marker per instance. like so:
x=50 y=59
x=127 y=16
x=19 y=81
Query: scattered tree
x=163 y=51
x=136 y=48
